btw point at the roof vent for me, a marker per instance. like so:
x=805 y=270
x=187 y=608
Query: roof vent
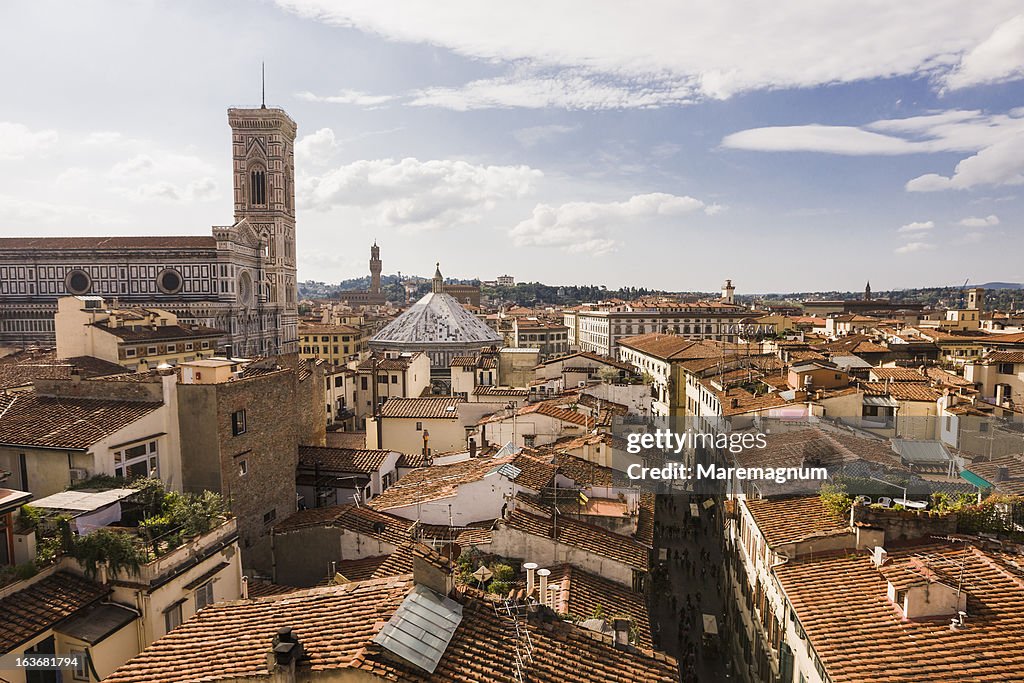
x=287 y=648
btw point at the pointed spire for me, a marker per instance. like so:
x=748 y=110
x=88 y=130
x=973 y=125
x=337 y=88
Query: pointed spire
x=263 y=85
x=438 y=280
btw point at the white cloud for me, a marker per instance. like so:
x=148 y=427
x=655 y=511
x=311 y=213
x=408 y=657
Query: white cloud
x=534 y=135
x=917 y=226
x=999 y=164
x=998 y=58
x=976 y=222
x=913 y=247
x=17 y=212
x=705 y=47
x=355 y=97
x=162 y=190
x=129 y=168
x=568 y=90
x=18 y=141
x=417 y=194
x=316 y=147
x=588 y=227
x=996 y=139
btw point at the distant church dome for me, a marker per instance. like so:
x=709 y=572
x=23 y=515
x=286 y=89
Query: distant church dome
x=439 y=326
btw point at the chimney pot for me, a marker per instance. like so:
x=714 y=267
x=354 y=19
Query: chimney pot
x=543 y=574
x=531 y=572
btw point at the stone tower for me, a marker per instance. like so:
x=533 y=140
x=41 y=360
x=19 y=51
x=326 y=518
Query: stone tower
x=438 y=285
x=867 y=292
x=375 y=266
x=263 y=164
x=728 y=293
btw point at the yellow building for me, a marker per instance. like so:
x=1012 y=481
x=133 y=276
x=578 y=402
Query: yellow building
x=138 y=338
x=336 y=344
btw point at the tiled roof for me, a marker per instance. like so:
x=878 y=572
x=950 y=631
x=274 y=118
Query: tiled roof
x=645 y=520
x=1005 y=357
x=330 y=459
x=902 y=391
x=161 y=332
x=897 y=375
x=422 y=408
x=666 y=346
x=261 y=589
x=43 y=605
x=93 y=243
x=27 y=419
x=792 y=448
x=840 y=601
x=399 y=363
x=412 y=460
x=787 y=520
x=854 y=344
x=534 y=473
x=559 y=413
x=336 y=625
x=583 y=595
x=435 y=482
x=318 y=328
x=354 y=518
x=989 y=471
x=361 y=569
x=588 y=537
x=24 y=368
x=943 y=378
x=499 y=391
x=582 y=472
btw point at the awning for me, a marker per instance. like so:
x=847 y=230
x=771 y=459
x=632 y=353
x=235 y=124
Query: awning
x=881 y=402
x=975 y=479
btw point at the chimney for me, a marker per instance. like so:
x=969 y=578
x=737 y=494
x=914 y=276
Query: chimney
x=531 y=572
x=621 y=629
x=287 y=648
x=227 y=351
x=245 y=587
x=472 y=447
x=543 y=574
x=1002 y=473
x=734 y=403
x=430 y=575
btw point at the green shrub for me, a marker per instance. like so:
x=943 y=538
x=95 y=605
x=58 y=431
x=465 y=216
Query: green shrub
x=503 y=572
x=117 y=549
x=500 y=587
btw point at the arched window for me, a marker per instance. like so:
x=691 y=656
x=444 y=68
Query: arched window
x=258 y=186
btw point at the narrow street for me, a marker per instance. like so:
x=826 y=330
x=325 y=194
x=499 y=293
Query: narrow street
x=686 y=587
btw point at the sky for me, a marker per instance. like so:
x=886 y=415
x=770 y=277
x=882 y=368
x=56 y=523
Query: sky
x=797 y=146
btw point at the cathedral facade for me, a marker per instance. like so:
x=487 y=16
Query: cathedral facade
x=241 y=279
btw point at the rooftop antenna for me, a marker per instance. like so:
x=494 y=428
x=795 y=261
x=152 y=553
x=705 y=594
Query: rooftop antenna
x=263 y=85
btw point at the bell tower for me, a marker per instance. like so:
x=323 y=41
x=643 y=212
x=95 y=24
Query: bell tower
x=375 y=268
x=263 y=165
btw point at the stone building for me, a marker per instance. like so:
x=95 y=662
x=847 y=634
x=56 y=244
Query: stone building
x=240 y=438
x=240 y=279
x=373 y=295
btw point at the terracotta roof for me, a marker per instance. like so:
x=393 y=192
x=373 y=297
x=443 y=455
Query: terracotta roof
x=336 y=626
x=365 y=461
x=564 y=414
x=942 y=377
x=902 y=391
x=316 y=328
x=989 y=471
x=413 y=460
x=582 y=472
x=792 y=448
x=93 y=243
x=534 y=473
x=1005 y=357
x=589 y=537
x=840 y=601
x=261 y=589
x=666 y=346
x=41 y=606
x=854 y=344
x=160 y=332
x=23 y=368
x=435 y=482
x=787 y=520
x=583 y=595
x=897 y=375
x=645 y=520
x=422 y=408
x=499 y=391
x=357 y=519
x=361 y=569
x=400 y=363
x=27 y=419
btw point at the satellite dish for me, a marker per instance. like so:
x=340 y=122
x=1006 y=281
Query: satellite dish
x=483 y=574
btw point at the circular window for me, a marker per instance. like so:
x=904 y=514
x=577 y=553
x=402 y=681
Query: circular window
x=245 y=288
x=78 y=281
x=169 y=281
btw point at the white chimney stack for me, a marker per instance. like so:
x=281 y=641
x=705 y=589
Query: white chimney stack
x=543 y=574
x=245 y=587
x=531 y=576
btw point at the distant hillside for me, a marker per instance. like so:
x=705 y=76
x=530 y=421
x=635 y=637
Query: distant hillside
x=1002 y=285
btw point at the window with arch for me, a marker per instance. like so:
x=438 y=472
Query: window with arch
x=258 y=185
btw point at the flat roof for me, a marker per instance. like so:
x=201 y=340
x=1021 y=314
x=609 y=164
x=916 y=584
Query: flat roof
x=83 y=501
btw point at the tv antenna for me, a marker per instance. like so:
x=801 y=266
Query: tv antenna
x=263 y=85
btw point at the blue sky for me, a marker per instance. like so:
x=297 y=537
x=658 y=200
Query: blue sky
x=671 y=146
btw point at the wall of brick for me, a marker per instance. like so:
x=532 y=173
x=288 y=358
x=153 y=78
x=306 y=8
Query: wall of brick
x=903 y=525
